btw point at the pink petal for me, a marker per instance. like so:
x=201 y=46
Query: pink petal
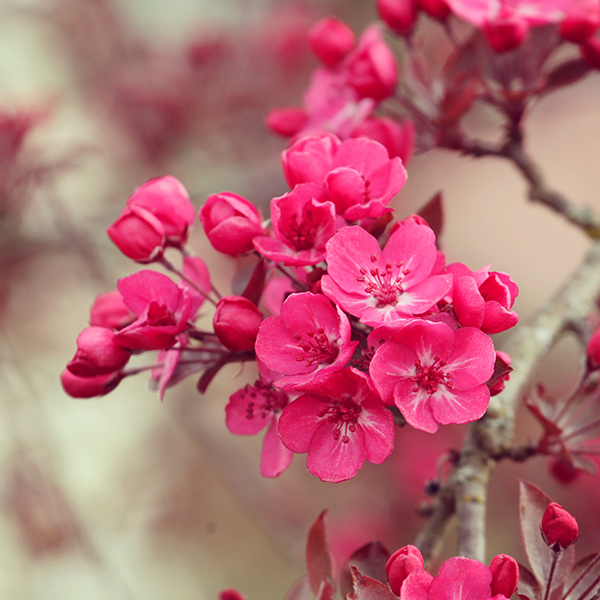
x=275 y=458
x=456 y=406
x=377 y=422
x=472 y=360
x=392 y=362
x=415 y=406
x=461 y=579
x=298 y=423
x=416 y=585
x=237 y=413
x=468 y=304
x=497 y=318
x=145 y=286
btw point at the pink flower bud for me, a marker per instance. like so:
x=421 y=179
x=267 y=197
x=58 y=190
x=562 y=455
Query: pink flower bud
x=399 y=15
x=138 y=234
x=436 y=9
x=580 y=22
x=167 y=199
x=559 y=528
x=563 y=470
x=236 y=323
x=97 y=353
x=230 y=223
x=371 y=68
x=287 y=121
x=505 y=575
x=397 y=139
x=401 y=564
x=590 y=51
x=506 y=31
x=88 y=387
x=593 y=350
x=110 y=311
x=231 y=594
x=331 y=40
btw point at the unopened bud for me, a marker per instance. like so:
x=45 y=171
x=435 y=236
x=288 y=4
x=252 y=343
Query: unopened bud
x=401 y=564
x=331 y=40
x=506 y=31
x=580 y=22
x=399 y=15
x=236 y=323
x=559 y=528
x=505 y=575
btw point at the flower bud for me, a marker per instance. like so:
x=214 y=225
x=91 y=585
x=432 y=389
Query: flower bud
x=399 y=15
x=236 y=323
x=505 y=575
x=580 y=22
x=287 y=121
x=89 y=387
x=110 y=311
x=506 y=31
x=97 y=353
x=559 y=528
x=563 y=470
x=138 y=234
x=436 y=9
x=309 y=159
x=331 y=40
x=401 y=564
x=230 y=223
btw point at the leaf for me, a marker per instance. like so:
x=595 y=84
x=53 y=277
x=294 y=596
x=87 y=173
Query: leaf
x=366 y=588
x=433 y=213
x=566 y=74
x=245 y=267
x=300 y=590
x=256 y=285
x=370 y=560
x=528 y=588
x=532 y=504
x=584 y=579
x=318 y=558
x=501 y=370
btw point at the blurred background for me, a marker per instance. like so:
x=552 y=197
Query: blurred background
x=125 y=496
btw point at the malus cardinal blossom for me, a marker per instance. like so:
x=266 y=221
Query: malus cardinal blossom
x=435 y=375
x=236 y=322
x=97 y=353
x=340 y=423
x=382 y=286
x=559 y=528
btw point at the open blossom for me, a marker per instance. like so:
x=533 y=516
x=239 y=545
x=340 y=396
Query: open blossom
x=253 y=408
x=340 y=423
x=381 y=286
x=458 y=578
x=109 y=310
x=435 y=375
x=303 y=223
x=162 y=309
x=310 y=338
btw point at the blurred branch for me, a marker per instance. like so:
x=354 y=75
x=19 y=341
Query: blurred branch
x=465 y=491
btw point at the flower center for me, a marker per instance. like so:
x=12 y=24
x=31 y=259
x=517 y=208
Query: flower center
x=271 y=400
x=301 y=235
x=383 y=284
x=430 y=377
x=344 y=413
x=159 y=315
x=316 y=348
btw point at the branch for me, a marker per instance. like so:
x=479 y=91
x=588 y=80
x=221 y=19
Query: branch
x=465 y=491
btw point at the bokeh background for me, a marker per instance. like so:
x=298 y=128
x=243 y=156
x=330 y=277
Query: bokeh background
x=125 y=497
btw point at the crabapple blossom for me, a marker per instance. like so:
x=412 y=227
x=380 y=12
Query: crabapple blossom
x=97 y=353
x=398 y=139
x=236 y=322
x=303 y=222
x=310 y=338
x=505 y=575
x=230 y=223
x=162 y=309
x=340 y=422
x=506 y=30
x=581 y=21
x=399 y=15
x=89 y=387
x=435 y=375
x=287 y=121
x=331 y=40
x=309 y=159
x=436 y=9
x=381 y=286
x=559 y=528
x=249 y=411
x=109 y=310
x=400 y=564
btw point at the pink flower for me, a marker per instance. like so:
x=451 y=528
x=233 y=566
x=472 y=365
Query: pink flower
x=236 y=322
x=249 y=411
x=371 y=67
x=109 y=310
x=505 y=31
x=340 y=423
x=399 y=15
x=162 y=309
x=485 y=302
x=458 y=578
x=309 y=159
x=381 y=286
x=505 y=575
x=559 y=528
x=331 y=40
x=398 y=139
x=435 y=375
x=97 y=353
x=581 y=21
x=303 y=223
x=166 y=199
x=400 y=564
x=310 y=338
x=89 y=387
x=230 y=223
x=287 y=121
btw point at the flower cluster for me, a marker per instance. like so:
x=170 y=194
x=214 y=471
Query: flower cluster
x=363 y=317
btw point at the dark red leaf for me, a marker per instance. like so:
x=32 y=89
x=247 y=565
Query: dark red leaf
x=255 y=287
x=433 y=213
x=584 y=579
x=528 y=587
x=318 y=558
x=565 y=74
x=501 y=370
x=370 y=560
x=366 y=588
